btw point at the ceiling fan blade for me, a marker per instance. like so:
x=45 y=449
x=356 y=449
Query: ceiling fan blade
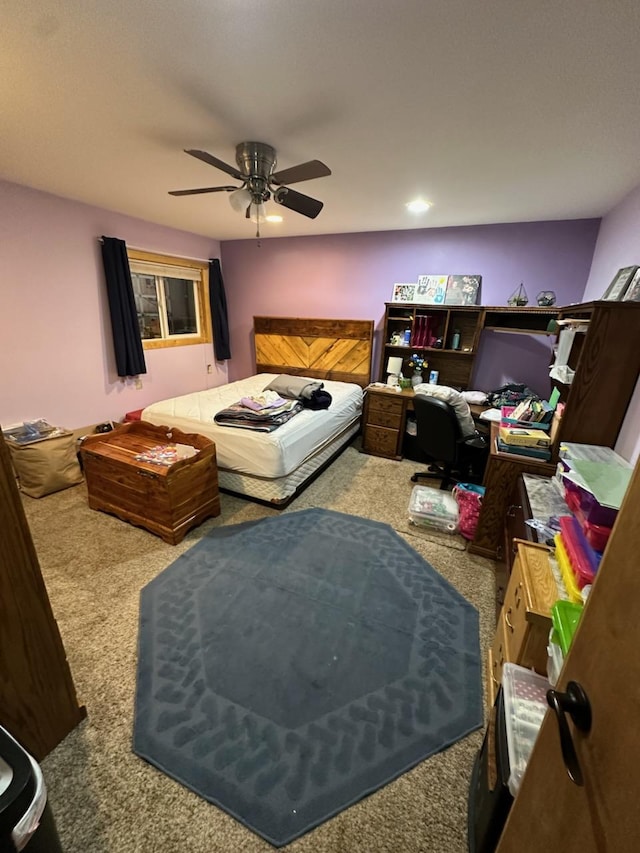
x=303 y=172
x=213 y=161
x=293 y=200
x=203 y=190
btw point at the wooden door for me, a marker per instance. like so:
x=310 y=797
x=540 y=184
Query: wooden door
x=550 y=811
x=38 y=703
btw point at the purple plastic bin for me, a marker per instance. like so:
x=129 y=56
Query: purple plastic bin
x=590 y=509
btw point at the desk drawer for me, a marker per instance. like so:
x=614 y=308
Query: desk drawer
x=498 y=654
x=380 y=441
x=514 y=613
x=385 y=405
x=391 y=420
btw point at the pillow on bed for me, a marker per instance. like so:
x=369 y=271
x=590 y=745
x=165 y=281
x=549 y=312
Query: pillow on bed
x=294 y=387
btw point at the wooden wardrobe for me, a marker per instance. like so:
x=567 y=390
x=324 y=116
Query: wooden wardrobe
x=38 y=703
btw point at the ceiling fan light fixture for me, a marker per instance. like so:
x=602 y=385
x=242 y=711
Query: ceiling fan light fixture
x=240 y=200
x=418 y=205
x=257 y=213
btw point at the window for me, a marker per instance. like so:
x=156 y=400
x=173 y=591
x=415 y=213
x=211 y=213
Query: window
x=171 y=296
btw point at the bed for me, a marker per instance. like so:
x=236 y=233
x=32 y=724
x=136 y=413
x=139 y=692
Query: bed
x=274 y=467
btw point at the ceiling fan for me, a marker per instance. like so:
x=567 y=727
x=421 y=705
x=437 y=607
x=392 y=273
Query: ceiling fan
x=256 y=162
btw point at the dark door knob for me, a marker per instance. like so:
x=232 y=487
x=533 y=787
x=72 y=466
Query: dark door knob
x=574 y=702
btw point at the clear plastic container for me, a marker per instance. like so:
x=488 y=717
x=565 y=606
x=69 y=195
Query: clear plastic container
x=525 y=704
x=434 y=508
x=555 y=657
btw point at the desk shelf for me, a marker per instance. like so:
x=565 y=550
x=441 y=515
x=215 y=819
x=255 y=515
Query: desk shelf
x=426 y=324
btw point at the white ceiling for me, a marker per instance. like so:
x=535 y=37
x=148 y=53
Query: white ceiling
x=495 y=111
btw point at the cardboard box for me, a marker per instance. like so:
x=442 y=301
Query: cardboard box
x=519 y=437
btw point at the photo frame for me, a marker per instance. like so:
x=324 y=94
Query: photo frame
x=621 y=281
x=463 y=289
x=404 y=292
x=431 y=289
x=632 y=293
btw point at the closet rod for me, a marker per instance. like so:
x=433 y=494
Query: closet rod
x=151 y=251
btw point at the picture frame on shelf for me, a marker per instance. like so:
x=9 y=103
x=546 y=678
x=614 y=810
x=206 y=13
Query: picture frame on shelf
x=404 y=292
x=431 y=289
x=632 y=293
x=621 y=281
x=463 y=289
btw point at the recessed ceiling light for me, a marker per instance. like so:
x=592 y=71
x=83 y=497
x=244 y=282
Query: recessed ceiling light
x=274 y=217
x=418 y=205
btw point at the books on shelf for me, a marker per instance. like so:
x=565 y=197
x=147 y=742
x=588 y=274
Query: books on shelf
x=520 y=437
x=542 y=453
x=533 y=411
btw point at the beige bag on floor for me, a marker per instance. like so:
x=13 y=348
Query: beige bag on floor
x=46 y=466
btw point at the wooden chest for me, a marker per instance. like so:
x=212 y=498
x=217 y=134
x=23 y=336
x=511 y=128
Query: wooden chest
x=168 y=500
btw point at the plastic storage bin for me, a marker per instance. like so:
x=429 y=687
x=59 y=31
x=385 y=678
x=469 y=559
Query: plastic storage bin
x=580 y=499
x=584 y=567
x=26 y=822
x=433 y=508
x=505 y=418
x=565 y=616
x=566 y=571
x=596 y=535
x=525 y=704
x=555 y=657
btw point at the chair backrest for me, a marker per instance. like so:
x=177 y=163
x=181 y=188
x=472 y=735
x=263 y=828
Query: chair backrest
x=438 y=431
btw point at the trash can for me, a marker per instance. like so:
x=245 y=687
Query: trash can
x=26 y=821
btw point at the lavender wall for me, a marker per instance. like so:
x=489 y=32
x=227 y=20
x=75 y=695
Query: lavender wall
x=351 y=276
x=618 y=246
x=55 y=336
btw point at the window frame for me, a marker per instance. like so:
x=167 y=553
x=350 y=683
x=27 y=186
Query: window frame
x=202 y=293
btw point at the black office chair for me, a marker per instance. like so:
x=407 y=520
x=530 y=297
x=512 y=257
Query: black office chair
x=454 y=458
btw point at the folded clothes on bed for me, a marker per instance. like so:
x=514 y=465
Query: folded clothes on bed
x=266 y=400
x=265 y=420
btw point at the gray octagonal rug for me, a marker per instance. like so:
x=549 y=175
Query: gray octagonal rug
x=289 y=667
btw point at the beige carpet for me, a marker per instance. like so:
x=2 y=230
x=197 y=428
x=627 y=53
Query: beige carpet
x=104 y=798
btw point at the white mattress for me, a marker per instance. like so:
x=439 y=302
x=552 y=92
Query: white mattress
x=274 y=454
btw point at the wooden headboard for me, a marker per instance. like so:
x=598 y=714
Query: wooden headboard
x=323 y=349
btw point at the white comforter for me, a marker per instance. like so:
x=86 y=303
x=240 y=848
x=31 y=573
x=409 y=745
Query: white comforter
x=274 y=454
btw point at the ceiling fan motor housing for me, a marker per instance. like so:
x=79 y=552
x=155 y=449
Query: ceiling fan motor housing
x=256 y=159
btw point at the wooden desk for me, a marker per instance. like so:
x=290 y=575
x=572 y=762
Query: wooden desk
x=385 y=417
x=501 y=475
